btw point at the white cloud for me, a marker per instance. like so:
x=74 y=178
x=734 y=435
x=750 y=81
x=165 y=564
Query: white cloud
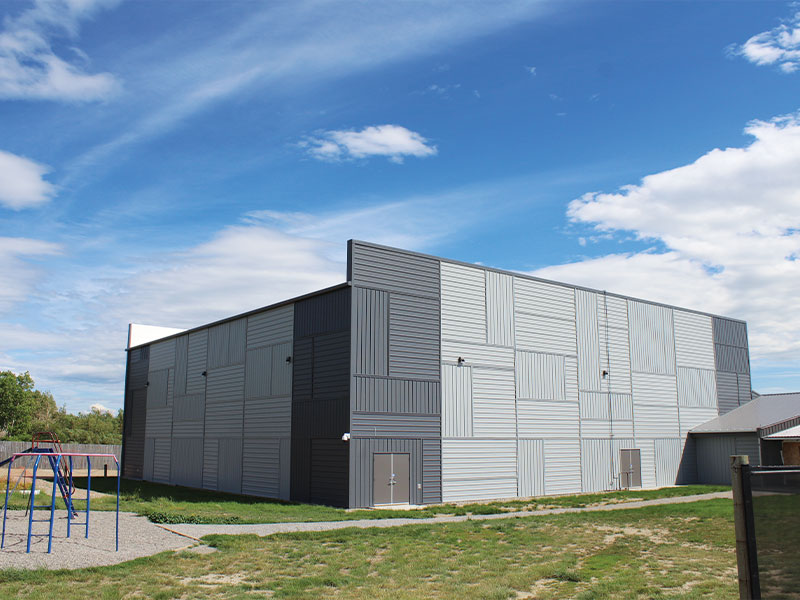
x=392 y=141
x=730 y=222
x=30 y=68
x=97 y=407
x=22 y=183
x=531 y=70
x=779 y=46
x=17 y=273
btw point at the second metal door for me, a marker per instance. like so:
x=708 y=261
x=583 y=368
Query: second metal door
x=390 y=479
x=630 y=467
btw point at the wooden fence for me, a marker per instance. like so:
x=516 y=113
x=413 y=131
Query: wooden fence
x=9 y=448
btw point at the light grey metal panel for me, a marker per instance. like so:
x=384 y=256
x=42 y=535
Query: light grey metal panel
x=655 y=389
x=595 y=405
x=218 y=341
x=393 y=270
x=477 y=469
x=727 y=392
x=612 y=312
x=540 y=376
x=237 y=343
x=530 y=465
x=562 y=466
x=431 y=471
x=545 y=334
x=181 y=364
x=161 y=459
x=258 y=372
x=371 y=394
x=261 y=467
x=478 y=355
x=281 y=372
x=693 y=416
x=731 y=359
x=463 y=303
x=499 y=309
x=162 y=355
x=225 y=401
x=413 y=337
x=697 y=387
x=225 y=384
x=159 y=422
x=362 y=451
x=270 y=327
x=390 y=425
x=547 y=419
x=597 y=469
x=655 y=420
x=210 y=462
x=187 y=462
x=286 y=469
x=197 y=362
x=149 y=453
x=493 y=403
x=588 y=341
x=158 y=388
x=648 y=460
x=267 y=417
x=745 y=392
x=545 y=299
x=694 y=340
x=621 y=407
x=224 y=418
x=730 y=333
x=570 y=379
x=229 y=469
x=188 y=408
x=652 y=345
x=748 y=444
x=371 y=337
x=617 y=444
x=456 y=401
x=668 y=461
x=606 y=428
x=615 y=360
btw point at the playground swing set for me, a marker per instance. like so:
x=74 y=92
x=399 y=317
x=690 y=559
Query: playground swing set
x=46 y=445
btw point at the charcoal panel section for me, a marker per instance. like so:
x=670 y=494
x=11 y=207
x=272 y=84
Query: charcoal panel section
x=413 y=337
x=135 y=414
x=392 y=270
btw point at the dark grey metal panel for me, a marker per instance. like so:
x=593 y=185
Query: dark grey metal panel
x=431 y=471
x=745 y=391
x=135 y=413
x=749 y=444
x=730 y=333
x=731 y=359
x=137 y=370
x=237 y=343
x=281 y=371
x=303 y=371
x=229 y=468
x=258 y=372
x=414 y=337
x=687 y=471
x=149 y=454
x=187 y=462
x=329 y=472
x=332 y=366
x=361 y=453
x=322 y=314
x=378 y=394
x=188 y=413
x=197 y=362
x=261 y=467
x=181 y=364
x=394 y=425
x=371 y=332
x=218 y=340
x=225 y=402
x=727 y=392
x=714 y=451
x=161 y=459
x=267 y=417
x=392 y=270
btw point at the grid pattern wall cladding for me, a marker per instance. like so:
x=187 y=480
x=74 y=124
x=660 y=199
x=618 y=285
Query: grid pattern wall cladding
x=732 y=363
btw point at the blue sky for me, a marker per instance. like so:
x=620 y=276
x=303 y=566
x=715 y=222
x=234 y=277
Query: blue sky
x=171 y=163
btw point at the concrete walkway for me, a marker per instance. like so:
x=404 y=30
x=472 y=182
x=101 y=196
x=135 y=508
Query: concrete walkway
x=197 y=531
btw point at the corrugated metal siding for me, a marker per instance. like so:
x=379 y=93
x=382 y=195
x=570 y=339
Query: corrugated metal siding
x=270 y=327
x=478 y=469
x=188 y=408
x=605 y=429
x=571 y=379
x=267 y=417
x=493 y=403
x=545 y=299
x=594 y=405
x=137 y=371
x=187 y=462
x=597 y=472
x=181 y=364
x=161 y=459
x=697 y=388
x=371 y=339
x=463 y=303
x=158 y=388
x=530 y=465
x=159 y=422
x=329 y=472
x=655 y=389
x=431 y=471
x=456 y=401
x=423 y=464
x=612 y=311
x=229 y=468
x=478 y=355
x=149 y=453
x=691 y=417
x=730 y=333
x=615 y=360
x=393 y=270
x=667 y=461
x=237 y=344
x=331 y=366
x=162 y=355
x=258 y=372
x=694 y=340
x=322 y=314
x=218 y=340
x=499 y=309
x=588 y=341
x=749 y=445
x=652 y=420
x=286 y=469
x=210 y=461
x=545 y=334
x=648 y=461
x=732 y=359
x=713 y=458
x=261 y=467
x=727 y=392
x=413 y=337
x=546 y=419
x=373 y=394
x=281 y=372
x=652 y=346
x=745 y=392
x=225 y=402
x=540 y=376
x=136 y=415
x=196 y=362
x=392 y=425
x=562 y=466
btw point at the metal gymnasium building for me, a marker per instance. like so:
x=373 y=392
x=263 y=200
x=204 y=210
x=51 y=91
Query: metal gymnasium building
x=423 y=380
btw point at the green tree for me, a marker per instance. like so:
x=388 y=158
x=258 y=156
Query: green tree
x=16 y=403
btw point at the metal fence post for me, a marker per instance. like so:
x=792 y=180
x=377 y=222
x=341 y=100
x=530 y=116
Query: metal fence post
x=746 y=560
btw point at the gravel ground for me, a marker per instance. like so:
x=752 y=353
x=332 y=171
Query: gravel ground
x=137 y=537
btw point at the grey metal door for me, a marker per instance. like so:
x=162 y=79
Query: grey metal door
x=390 y=483
x=630 y=468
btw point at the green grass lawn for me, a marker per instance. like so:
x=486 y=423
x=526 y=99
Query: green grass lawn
x=657 y=552
x=173 y=504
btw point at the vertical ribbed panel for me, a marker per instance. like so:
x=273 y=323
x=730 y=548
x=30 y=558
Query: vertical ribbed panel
x=210 y=460
x=393 y=270
x=651 y=338
x=499 y=309
x=478 y=469
x=667 y=461
x=286 y=469
x=371 y=339
x=588 y=341
x=694 y=340
x=162 y=355
x=188 y=408
x=225 y=402
x=594 y=405
x=237 y=343
x=727 y=392
x=149 y=452
x=597 y=472
x=691 y=417
x=229 y=468
x=181 y=364
x=540 y=376
x=157 y=388
x=545 y=334
x=729 y=333
x=547 y=419
x=270 y=327
x=196 y=362
x=261 y=467
x=622 y=407
x=258 y=372
x=374 y=394
x=187 y=462
x=456 y=401
x=477 y=355
x=218 y=339
x=713 y=458
x=570 y=379
x=648 y=461
x=748 y=445
x=493 y=403
x=732 y=359
x=281 y=372
x=463 y=303
x=745 y=393
x=562 y=466
x=615 y=360
x=530 y=465
x=431 y=471
x=161 y=459
x=697 y=387
x=413 y=337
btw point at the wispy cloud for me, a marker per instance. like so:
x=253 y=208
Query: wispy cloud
x=779 y=46
x=392 y=141
x=22 y=183
x=29 y=66
x=17 y=272
x=531 y=70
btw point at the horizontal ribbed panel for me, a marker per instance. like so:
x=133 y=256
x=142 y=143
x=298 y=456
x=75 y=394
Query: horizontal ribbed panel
x=159 y=422
x=615 y=361
x=732 y=359
x=188 y=429
x=394 y=270
x=187 y=462
x=694 y=340
x=597 y=469
x=431 y=471
x=545 y=334
x=456 y=401
x=210 y=462
x=667 y=461
x=261 y=467
x=655 y=420
x=158 y=388
x=540 y=376
x=562 y=466
x=588 y=341
x=463 y=303
x=196 y=362
x=394 y=426
x=545 y=299
x=371 y=339
x=188 y=408
x=499 y=309
x=325 y=313
x=478 y=469
x=691 y=417
x=162 y=355
x=655 y=389
x=413 y=337
x=615 y=308
x=530 y=460
x=225 y=384
x=651 y=338
x=648 y=461
x=269 y=417
x=697 y=388
x=546 y=419
x=605 y=429
x=270 y=327
x=331 y=365
x=478 y=355
x=730 y=333
x=727 y=392
x=161 y=459
x=229 y=473
x=493 y=403
x=181 y=364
